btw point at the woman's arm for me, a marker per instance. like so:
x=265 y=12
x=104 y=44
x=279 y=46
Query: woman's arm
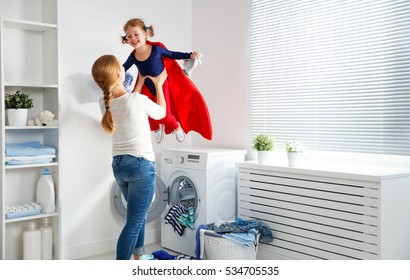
x=140 y=82
x=158 y=82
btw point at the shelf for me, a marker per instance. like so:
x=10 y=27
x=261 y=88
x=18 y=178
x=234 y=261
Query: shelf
x=29 y=127
x=28 y=25
x=39 y=86
x=30 y=63
x=23 y=166
x=33 y=217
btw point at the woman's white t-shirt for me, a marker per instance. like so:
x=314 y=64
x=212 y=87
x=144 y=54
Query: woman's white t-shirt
x=133 y=134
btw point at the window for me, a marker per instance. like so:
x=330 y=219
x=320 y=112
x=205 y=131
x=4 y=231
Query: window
x=334 y=75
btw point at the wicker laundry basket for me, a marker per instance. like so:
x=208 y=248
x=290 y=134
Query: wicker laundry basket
x=218 y=248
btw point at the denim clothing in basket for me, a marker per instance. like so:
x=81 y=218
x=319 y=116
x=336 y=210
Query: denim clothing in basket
x=136 y=178
x=244 y=226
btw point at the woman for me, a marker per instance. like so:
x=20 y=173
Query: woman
x=125 y=117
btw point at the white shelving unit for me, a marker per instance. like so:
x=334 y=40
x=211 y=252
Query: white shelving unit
x=29 y=63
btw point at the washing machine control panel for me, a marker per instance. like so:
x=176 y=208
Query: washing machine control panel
x=180 y=160
x=184 y=159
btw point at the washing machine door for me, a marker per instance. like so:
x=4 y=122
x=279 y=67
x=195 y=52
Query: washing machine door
x=158 y=204
x=183 y=191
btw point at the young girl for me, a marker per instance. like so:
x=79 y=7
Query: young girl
x=125 y=117
x=186 y=107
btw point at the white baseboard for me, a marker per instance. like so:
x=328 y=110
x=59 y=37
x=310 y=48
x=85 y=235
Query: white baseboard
x=103 y=247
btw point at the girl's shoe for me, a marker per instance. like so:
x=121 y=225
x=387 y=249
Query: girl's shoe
x=179 y=134
x=159 y=134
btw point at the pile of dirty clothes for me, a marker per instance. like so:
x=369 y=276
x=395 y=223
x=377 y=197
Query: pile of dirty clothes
x=164 y=255
x=242 y=231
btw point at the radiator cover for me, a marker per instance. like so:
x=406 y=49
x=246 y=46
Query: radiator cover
x=328 y=212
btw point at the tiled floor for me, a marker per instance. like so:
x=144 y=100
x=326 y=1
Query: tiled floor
x=149 y=248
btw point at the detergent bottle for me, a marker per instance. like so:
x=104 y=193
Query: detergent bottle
x=45 y=192
x=31 y=242
x=46 y=239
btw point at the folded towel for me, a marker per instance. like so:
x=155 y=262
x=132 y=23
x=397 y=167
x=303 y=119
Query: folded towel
x=29 y=160
x=13 y=215
x=33 y=148
x=22 y=158
x=24 y=207
x=24 y=162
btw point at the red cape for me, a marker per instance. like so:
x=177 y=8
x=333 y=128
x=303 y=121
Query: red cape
x=188 y=105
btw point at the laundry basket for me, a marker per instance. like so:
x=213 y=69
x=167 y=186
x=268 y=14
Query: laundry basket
x=218 y=248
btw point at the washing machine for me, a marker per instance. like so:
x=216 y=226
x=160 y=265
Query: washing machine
x=204 y=179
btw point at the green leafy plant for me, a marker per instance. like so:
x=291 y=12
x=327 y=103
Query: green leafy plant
x=263 y=142
x=294 y=147
x=18 y=100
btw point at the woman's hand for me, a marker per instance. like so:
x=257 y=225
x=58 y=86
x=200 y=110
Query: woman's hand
x=160 y=79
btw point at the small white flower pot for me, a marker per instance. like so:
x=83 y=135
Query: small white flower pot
x=17 y=117
x=265 y=157
x=295 y=159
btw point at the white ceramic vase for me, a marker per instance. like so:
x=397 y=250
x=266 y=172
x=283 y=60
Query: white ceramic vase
x=17 y=117
x=295 y=159
x=265 y=157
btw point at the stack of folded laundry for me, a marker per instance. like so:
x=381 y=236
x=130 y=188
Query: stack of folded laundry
x=29 y=153
x=28 y=209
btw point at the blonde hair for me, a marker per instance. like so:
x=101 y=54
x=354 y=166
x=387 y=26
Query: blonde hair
x=104 y=72
x=137 y=22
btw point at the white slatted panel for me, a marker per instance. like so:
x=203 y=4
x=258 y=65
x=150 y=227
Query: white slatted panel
x=332 y=74
x=313 y=217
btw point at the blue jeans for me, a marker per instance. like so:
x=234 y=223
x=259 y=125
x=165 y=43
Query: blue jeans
x=136 y=178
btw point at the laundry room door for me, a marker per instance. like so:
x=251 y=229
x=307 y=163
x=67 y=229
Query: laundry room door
x=158 y=204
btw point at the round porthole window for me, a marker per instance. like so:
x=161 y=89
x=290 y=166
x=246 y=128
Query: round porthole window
x=183 y=191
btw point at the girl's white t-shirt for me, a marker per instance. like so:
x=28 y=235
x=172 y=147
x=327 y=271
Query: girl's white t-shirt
x=133 y=134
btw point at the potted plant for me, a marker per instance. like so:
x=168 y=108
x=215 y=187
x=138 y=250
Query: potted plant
x=295 y=153
x=264 y=146
x=17 y=106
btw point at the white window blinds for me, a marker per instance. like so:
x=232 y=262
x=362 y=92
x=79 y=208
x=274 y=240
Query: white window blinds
x=334 y=75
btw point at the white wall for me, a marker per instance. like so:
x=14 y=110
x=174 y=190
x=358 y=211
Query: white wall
x=221 y=33
x=88 y=29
